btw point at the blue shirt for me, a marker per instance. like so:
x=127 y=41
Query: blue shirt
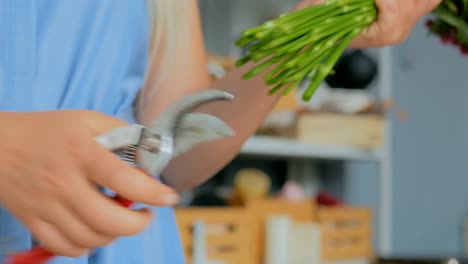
x=80 y=54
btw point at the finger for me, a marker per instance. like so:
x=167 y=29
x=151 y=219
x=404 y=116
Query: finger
x=97 y=122
x=106 y=169
x=306 y=3
x=54 y=241
x=104 y=215
x=389 y=14
x=389 y=9
x=428 y=5
x=386 y=30
x=74 y=229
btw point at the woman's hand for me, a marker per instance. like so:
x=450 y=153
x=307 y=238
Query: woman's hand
x=395 y=21
x=50 y=170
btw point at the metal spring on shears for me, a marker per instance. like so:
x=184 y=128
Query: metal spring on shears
x=128 y=154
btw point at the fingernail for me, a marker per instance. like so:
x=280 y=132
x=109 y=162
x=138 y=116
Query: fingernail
x=171 y=199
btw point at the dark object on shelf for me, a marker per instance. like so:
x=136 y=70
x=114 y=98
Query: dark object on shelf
x=208 y=199
x=354 y=70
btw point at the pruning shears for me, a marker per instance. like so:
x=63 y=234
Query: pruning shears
x=151 y=149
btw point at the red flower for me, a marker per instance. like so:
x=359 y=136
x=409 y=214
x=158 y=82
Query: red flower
x=464 y=50
x=447 y=39
x=456 y=10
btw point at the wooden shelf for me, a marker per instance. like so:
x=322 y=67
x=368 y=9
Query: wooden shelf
x=289 y=148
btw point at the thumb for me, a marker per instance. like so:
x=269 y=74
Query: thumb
x=430 y=4
x=98 y=123
x=305 y=3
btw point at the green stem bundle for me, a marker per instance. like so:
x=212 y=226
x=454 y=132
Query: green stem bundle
x=304 y=44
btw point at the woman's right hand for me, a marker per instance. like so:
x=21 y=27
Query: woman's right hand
x=50 y=169
x=395 y=21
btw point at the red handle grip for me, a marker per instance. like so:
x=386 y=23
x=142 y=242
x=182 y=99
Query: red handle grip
x=39 y=255
x=36 y=255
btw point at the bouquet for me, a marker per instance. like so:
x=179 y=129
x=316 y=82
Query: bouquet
x=305 y=45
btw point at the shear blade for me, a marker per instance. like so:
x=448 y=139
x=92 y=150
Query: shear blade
x=165 y=125
x=197 y=128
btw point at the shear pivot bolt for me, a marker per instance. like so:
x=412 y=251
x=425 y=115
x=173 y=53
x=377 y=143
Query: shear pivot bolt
x=150 y=144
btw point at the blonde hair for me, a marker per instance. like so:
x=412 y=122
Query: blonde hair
x=169 y=20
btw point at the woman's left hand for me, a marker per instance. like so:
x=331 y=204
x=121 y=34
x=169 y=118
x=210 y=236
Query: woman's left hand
x=395 y=21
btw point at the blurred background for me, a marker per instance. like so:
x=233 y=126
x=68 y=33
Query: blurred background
x=373 y=169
